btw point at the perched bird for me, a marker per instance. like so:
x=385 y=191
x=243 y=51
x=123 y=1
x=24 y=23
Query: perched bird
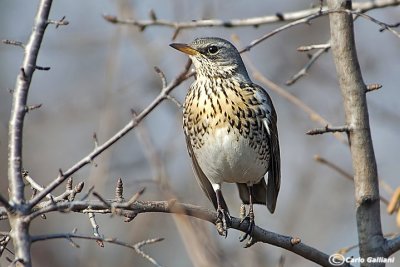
x=230 y=128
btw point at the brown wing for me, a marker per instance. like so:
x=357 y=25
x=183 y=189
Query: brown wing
x=203 y=180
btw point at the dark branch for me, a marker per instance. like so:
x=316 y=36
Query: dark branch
x=392 y=245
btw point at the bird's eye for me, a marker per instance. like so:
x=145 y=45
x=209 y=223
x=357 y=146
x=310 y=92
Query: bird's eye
x=212 y=49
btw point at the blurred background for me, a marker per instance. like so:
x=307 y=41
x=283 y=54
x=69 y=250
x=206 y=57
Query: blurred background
x=99 y=71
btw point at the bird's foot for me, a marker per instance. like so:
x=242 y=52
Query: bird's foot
x=222 y=222
x=249 y=218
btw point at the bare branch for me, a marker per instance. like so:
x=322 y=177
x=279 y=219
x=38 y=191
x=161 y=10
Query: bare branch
x=256 y=21
x=392 y=245
x=136 y=196
x=58 y=23
x=139 y=245
x=373 y=87
x=42 y=68
x=13 y=42
x=95 y=228
x=312 y=47
x=329 y=129
x=20 y=228
x=259 y=234
x=101 y=199
x=356 y=113
x=306 y=67
x=32 y=107
x=127 y=128
x=71 y=236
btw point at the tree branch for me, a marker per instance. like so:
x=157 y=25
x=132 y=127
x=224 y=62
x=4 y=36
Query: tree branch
x=353 y=89
x=259 y=234
x=329 y=129
x=20 y=228
x=256 y=21
x=323 y=49
x=392 y=246
x=70 y=236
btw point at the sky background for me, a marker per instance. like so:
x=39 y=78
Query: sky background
x=99 y=71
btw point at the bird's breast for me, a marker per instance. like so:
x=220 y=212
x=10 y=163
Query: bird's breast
x=225 y=129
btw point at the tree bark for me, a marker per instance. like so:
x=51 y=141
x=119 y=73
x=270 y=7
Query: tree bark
x=371 y=240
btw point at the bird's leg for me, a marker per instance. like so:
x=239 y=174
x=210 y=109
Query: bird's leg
x=242 y=212
x=222 y=226
x=249 y=217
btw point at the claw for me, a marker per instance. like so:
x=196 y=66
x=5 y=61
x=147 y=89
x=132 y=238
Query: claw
x=250 y=228
x=250 y=218
x=221 y=223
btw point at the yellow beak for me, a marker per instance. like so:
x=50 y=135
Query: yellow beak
x=185 y=49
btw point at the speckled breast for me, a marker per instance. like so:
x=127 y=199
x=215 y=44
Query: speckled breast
x=224 y=125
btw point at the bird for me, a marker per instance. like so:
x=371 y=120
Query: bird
x=230 y=127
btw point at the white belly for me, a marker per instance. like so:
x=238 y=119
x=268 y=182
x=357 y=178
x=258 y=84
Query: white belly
x=229 y=158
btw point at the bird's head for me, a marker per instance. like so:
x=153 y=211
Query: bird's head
x=214 y=57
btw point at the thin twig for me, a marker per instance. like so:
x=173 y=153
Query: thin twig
x=13 y=42
x=303 y=71
x=139 y=245
x=307 y=48
x=329 y=129
x=71 y=236
x=58 y=23
x=373 y=87
x=95 y=227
